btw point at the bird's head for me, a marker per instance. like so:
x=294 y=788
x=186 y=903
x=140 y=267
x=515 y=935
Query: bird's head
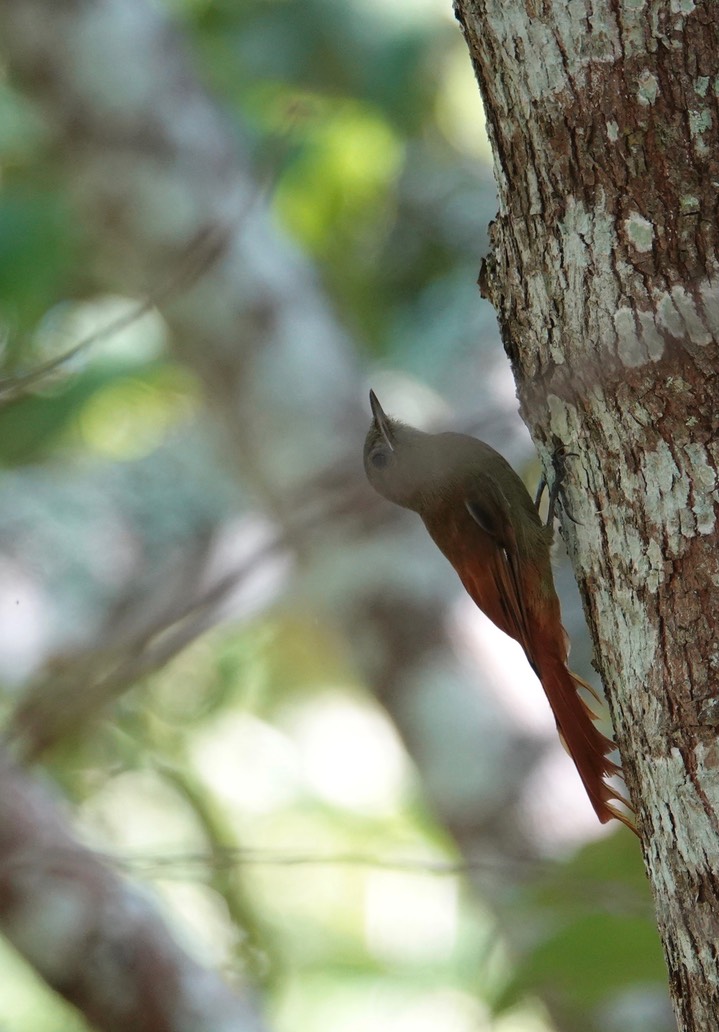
x=397 y=458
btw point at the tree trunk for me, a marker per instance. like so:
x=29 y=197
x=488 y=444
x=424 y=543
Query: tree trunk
x=604 y=123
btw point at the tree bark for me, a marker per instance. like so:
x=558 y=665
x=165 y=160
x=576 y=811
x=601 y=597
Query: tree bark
x=604 y=124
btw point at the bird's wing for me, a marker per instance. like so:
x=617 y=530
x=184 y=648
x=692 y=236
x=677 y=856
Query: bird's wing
x=506 y=604
x=489 y=509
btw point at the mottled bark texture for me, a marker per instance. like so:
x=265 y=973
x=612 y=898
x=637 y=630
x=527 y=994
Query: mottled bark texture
x=604 y=272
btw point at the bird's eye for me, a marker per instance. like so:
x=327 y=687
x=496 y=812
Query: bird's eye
x=379 y=459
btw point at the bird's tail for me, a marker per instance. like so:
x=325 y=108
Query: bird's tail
x=583 y=740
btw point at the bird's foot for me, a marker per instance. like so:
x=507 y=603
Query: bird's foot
x=559 y=468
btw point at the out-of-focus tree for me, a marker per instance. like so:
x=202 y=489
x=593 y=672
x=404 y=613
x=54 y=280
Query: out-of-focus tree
x=252 y=684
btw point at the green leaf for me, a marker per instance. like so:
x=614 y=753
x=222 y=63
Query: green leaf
x=37 y=249
x=588 y=960
x=596 y=934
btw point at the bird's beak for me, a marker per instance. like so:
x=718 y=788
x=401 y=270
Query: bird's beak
x=381 y=420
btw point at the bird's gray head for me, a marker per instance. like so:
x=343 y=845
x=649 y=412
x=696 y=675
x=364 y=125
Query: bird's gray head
x=395 y=457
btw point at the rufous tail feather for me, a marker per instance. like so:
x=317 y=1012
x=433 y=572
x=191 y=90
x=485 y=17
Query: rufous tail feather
x=583 y=740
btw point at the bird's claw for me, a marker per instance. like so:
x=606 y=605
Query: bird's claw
x=559 y=459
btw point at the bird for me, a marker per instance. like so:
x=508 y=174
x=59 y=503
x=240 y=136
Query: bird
x=482 y=518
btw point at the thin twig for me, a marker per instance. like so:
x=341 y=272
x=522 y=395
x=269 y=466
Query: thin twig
x=199 y=257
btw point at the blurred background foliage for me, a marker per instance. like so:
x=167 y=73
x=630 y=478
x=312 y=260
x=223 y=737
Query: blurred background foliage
x=255 y=780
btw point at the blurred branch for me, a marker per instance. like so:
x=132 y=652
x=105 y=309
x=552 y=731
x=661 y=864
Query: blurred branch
x=92 y=937
x=611 y=894
x=250 y=936
x=140 y=635
x=167 y=149
x=148 y=626
x=199 y=257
